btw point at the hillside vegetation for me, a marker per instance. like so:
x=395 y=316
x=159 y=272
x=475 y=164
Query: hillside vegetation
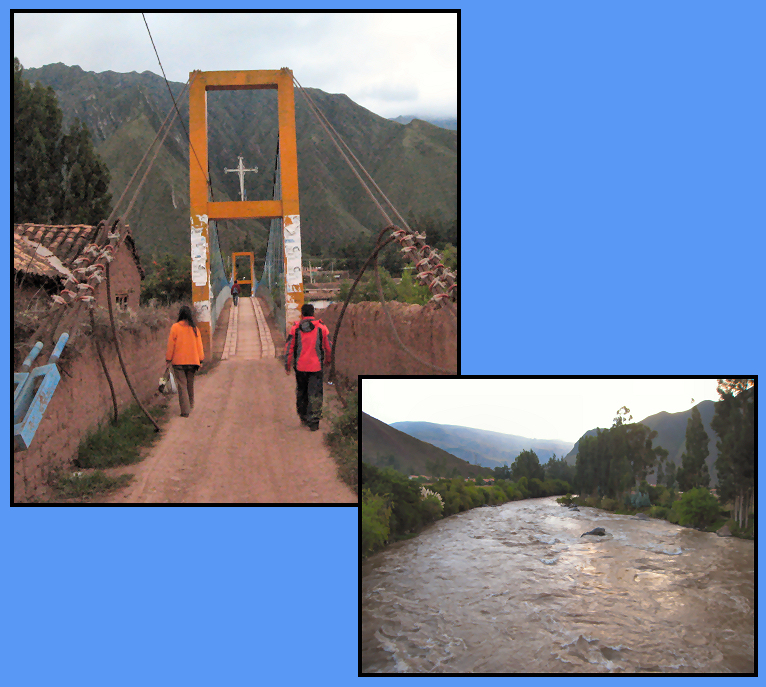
x=415 y=164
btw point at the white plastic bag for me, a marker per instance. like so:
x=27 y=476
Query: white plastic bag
x=168 y=382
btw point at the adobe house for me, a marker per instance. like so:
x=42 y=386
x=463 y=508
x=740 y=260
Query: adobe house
x=44 y=256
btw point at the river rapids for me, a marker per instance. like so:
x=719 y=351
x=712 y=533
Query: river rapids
x=516 y=589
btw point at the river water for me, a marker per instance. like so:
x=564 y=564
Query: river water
x=516 y=589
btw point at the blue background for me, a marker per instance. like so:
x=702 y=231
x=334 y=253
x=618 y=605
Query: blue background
x=613 y=188
x=613 y=158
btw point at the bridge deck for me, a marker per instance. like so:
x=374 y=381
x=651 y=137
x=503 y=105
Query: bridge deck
x=248 y=336
x=243 y=442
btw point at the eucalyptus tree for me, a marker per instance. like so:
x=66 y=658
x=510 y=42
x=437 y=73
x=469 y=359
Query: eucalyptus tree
x=694 y=471
x=734 y=422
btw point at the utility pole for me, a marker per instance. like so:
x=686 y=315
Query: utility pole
x=240 y=169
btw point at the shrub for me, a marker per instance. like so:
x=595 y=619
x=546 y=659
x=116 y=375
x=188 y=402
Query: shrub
x=376 y=514
x=697 y=507
x=497 y=495
x=608 y=504
x=659 y=512
x=432 y=508
x=565 y=500
x=638 y=500
x=667 y=497
x=522 y=486
x=536 y=488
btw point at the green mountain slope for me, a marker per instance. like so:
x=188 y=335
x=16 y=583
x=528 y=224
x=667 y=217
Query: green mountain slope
x=410 y=455
x=415 y=164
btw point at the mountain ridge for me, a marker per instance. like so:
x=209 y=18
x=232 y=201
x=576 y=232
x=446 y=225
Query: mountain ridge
x=386 y=446
x=485 y=447
x=415 y=164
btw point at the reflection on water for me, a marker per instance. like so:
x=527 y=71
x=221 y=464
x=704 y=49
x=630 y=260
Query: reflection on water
x=517 y=589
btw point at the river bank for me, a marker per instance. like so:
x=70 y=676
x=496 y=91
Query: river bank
x=714 y=520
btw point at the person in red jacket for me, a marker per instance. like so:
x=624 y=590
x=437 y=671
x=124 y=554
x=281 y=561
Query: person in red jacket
x=186 y=354
x=307 y=351
x=235 y=292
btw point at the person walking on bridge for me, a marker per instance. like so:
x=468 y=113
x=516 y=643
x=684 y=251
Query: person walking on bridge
x=186 y=354
x=307 y=350
x=235 y=292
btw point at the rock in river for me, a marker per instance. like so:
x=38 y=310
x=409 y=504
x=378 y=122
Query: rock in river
x=724 y=531
x=598 y=530
x=640 y=516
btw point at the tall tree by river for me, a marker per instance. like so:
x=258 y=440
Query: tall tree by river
x=693 y=471
x=615 y=459
x=734 y=422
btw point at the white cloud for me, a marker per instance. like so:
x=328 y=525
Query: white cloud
x=392 y=64
x=537 y=408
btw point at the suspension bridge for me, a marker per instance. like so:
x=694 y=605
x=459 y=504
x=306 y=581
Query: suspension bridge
x=244 y=442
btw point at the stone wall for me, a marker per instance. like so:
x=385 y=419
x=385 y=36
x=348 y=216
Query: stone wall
x=82 y=399
x=366 y=345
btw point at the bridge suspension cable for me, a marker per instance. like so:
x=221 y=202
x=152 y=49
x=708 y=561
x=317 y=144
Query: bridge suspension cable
x=441 y=281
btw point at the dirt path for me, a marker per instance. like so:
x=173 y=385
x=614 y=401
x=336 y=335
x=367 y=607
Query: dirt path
x=243 y=443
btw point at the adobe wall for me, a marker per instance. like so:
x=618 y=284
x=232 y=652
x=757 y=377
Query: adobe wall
x=82 y=399
x=366 y=344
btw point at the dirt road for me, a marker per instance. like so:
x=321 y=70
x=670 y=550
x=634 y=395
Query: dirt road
x=243 y=442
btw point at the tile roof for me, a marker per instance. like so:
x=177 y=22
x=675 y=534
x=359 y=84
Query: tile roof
x=50 y=250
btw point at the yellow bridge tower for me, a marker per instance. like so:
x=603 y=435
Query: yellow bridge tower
x=202 y=209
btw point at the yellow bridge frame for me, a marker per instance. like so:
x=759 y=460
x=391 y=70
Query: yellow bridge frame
x=251 y=279
x=202 y=209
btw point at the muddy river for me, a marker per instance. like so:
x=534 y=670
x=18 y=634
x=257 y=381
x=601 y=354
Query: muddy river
x=516 y=589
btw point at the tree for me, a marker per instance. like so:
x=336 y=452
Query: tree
x=670 y=475
x=85 y=198
x=694 y=471
x=169 y=281
x=57 y=176
x=527 y=465
x=734 y=422
x=503 y=472
x=559 y=469
x=410 y=292
x=614 y=459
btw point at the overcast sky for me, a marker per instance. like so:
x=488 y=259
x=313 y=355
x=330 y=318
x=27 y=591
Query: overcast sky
x=393 y=64
x=536 y=408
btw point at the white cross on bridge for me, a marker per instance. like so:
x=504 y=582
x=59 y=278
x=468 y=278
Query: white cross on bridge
x=240 y=169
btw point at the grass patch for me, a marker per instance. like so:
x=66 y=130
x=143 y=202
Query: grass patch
x=119 y=444
x=81 y=485
x=343 y=441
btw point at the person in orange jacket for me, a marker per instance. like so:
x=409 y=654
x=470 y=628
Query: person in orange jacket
x=186 y=354
x=307 y=350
